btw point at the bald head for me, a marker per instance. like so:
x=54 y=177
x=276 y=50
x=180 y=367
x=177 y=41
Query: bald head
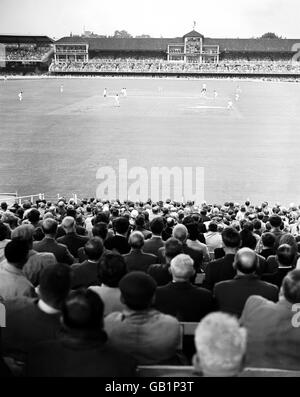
x=136 y=240
x=180 y=232
x=68 y=224
x=246 y=261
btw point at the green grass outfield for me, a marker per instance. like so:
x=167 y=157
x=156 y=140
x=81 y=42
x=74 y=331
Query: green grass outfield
x=54 y=143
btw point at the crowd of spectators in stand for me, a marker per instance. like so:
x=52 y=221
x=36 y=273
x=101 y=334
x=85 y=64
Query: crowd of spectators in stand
x=26 y=54
x=144 y=65
x=83 y=281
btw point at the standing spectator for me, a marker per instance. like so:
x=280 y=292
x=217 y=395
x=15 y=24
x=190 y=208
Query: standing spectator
x=82 y=349
x=158 y=334
x=137 y=259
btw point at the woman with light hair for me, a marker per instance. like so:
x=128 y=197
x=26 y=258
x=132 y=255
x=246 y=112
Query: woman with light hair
x=220 y=346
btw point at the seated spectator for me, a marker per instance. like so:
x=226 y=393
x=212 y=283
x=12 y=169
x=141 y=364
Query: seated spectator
x=70 y=212
x=4 y=239
x=49 y=244
x=137 y=259
x=276 y=224
x=119 y=242
x=222 y=269
x=140 y=226
x=37 y=261
x=213 y=239
x=81 y=350
x=153 y=244
x=226 y=357
x=72 y=240
x=273 y=328
x=231 y=295
x=13 y=283
x=180 y=298
x=268 y=243
x=29 y=321
x=111 y=269
x=161 y=272
x=181 y=233
x=280 y=264
x=158 y=334
x=194 y=243
x=34 y=217
x=85 y=274
x=98 y=230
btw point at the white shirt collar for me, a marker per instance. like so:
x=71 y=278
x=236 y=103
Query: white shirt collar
x=46 y=308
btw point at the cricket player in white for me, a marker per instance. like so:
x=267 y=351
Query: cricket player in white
x=20 y=96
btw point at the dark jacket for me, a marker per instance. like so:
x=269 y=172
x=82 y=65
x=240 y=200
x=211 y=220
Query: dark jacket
x=137 y=260
x=152 y=245
x=73 y=241
x=26 y=325
x=119 y=243
x=78 y=356
x=196 y=255
x=184 y=301
x=219 y=270
x=85 y=274
x=60 y=251
x=232 y=295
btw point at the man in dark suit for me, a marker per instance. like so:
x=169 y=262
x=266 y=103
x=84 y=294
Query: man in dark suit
x=72 y=240
x=49 y=244
x=119 y=242
x=180 y=298
x=268 y=242
x=79 y=229
x=137 y=259
x=280 y=264
x=82 y=349
x=222 y=269
x=29 y=321
x=161 y=272
x=274 y=328
x=231 y=295
x=153 y=244
x=180 y=232
x=86 y=274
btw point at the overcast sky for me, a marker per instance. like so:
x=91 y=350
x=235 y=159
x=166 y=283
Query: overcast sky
x=167 y=18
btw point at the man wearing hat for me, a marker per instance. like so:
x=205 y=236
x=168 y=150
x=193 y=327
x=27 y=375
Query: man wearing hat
x=141 y=331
